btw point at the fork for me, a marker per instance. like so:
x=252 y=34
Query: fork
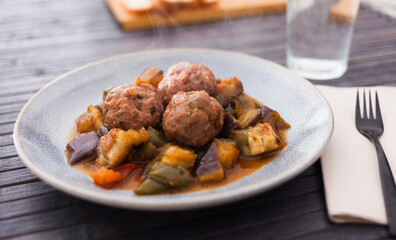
x=372 y=128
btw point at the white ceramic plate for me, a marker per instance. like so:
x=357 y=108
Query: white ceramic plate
x=43 y=125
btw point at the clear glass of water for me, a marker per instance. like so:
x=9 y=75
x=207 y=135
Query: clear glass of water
x=319 y=35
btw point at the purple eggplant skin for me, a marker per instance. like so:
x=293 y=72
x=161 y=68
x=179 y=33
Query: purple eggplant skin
x=265 y=111
x=100 y=108
x=103 y=131
x=273 y=118
x=209 y=162
x=82 y=146
x=230 y=124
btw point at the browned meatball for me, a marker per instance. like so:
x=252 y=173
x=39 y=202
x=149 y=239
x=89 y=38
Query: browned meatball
x=133 y=107
x=192 y=118
x=186 y=76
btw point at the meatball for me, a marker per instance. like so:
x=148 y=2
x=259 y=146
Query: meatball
x=186 y=76
x=192 y=118
x=133 y=107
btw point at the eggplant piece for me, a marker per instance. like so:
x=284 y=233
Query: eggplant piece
x=82 y=147
x=103 y=131
x=227 y=152
x=265 y=111
x=116 y=145
x=230 y=123
x=249 y=118
x=156 y=137
x=90 y=121
x=210 y=168
x=226 y=89
x=257 y=106
x=248 y=101
x=230 y=109
x=100 y=108
x=257 y=140
x=239 y=107
x=273 y=118
x=175 y=155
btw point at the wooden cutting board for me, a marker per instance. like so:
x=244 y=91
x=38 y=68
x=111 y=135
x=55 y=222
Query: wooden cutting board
x=222 y=9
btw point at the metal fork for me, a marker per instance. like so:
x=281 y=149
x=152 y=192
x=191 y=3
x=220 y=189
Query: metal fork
x=372 y=128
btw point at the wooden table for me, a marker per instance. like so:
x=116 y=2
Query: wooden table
x=41 y=39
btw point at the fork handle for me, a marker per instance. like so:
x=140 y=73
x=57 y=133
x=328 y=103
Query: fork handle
x=388 y=187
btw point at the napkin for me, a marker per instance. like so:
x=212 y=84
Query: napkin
x=349 y=163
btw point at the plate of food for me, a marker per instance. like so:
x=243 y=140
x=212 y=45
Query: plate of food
x=173 y=129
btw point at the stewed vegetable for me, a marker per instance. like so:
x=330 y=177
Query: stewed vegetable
x=90 y=121
x=82 y=147
x=204 y=138
x=227 y=89
x=210 y=168
x=227 y=152
x=115 y=146
x=162 y=177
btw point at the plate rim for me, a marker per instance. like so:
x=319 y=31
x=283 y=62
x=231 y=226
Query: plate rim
x=190 y=202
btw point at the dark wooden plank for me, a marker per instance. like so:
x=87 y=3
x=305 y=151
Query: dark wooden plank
x=6 y=139
x=5 y=100
x=52 y=8
x=8 y=118
x=369 y=79
x=243 y=224
x=347 y=232
x=37 y=204
x=145 y=220
x=107 y=38
x=28 y=84
x=10 y=163
x=293 y=189
x=7 y=151
x=8 y=109
x=283 y=228
x=15 y=177
x=304 y=184
x=48 y=220
x=21 y=191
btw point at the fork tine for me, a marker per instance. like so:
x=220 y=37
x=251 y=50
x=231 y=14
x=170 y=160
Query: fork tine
x=377 y=108
x=364 y=105
x=357 y=111
x=371 y=106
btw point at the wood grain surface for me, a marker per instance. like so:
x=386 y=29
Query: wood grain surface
x=41 y=39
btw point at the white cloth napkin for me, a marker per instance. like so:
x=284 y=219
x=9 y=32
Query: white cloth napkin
x=349 y=164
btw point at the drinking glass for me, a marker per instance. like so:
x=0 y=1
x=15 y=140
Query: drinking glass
x=319 y=35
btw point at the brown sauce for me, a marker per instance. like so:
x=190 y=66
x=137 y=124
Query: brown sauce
x=241 y=169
